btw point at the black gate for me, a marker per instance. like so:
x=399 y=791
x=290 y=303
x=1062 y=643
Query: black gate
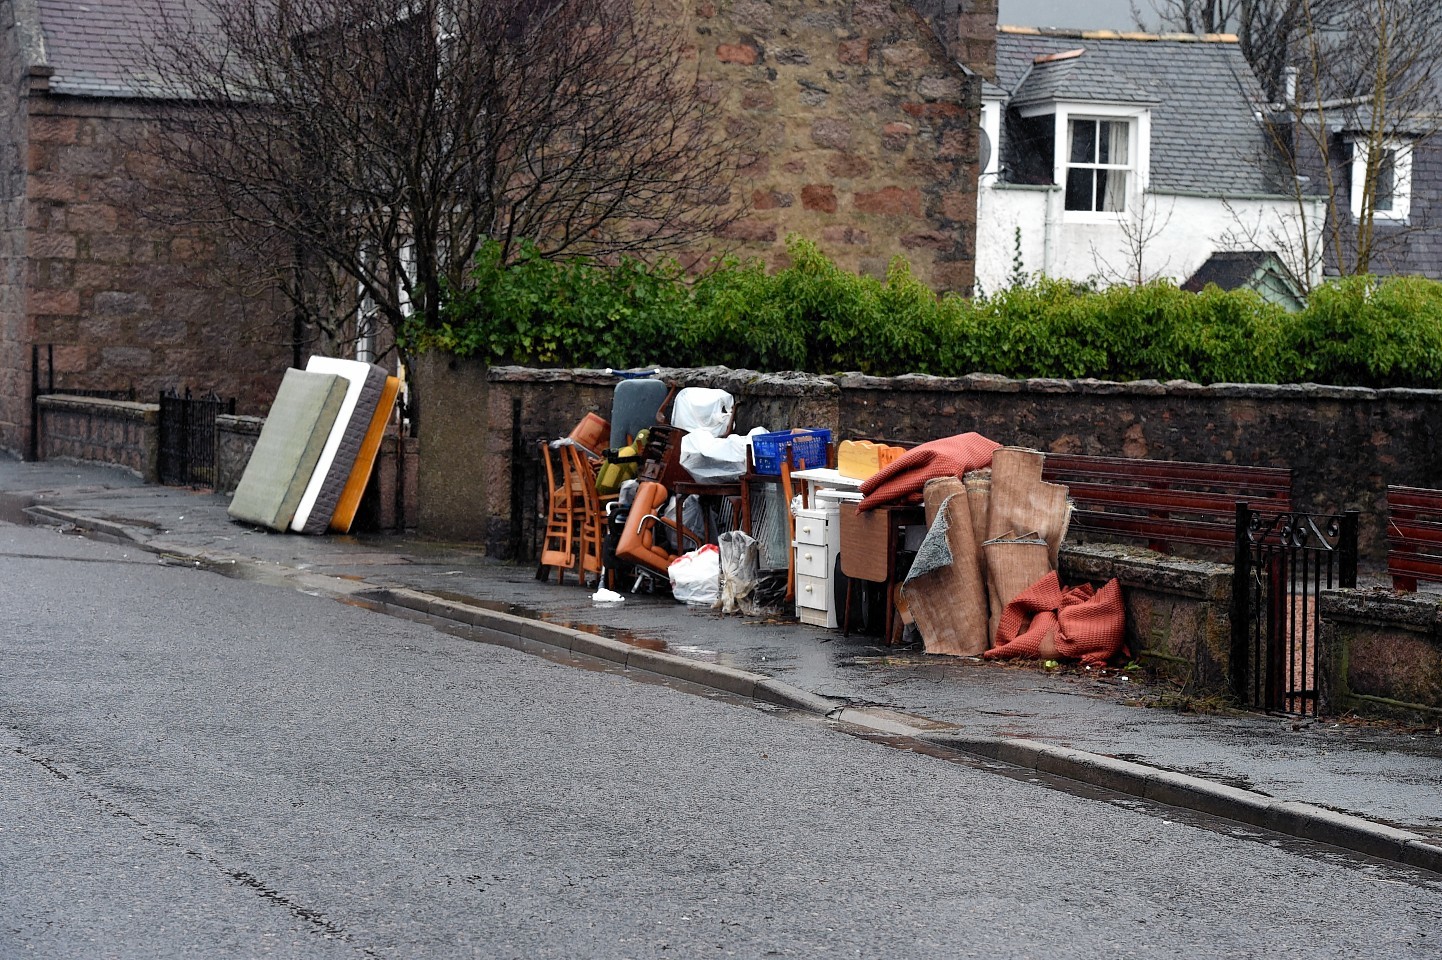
x=188 y=438
x=1283 y=561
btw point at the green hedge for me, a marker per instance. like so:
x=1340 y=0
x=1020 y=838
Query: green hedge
x=814 y=316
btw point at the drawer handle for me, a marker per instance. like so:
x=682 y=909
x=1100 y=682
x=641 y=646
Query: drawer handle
x=808 y=556
x=809 y=588
x=805 y=529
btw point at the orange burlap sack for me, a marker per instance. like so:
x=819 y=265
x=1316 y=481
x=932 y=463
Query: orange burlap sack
x=902 y=480
x=1044 y=622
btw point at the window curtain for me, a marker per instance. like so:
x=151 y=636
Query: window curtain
x=1115 y=145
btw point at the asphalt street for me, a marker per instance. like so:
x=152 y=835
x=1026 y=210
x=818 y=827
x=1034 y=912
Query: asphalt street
x=200 y=766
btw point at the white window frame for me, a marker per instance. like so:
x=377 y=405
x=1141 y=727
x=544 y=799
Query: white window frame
x=366 y=312
x=1138 y=149
x=1401 y=180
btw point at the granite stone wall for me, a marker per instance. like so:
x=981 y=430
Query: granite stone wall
x=125 y=300
x=1343 y=445
x=1383 y=653
x=101 y=431
x=859 y=128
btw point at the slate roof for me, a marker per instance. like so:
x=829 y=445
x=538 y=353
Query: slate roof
x=1205 y=134
x=1077 y=78
x=1230 y=270
x=96 y=48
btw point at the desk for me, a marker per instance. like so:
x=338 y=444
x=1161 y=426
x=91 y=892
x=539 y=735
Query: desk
x=822 y=478
x=870 y=542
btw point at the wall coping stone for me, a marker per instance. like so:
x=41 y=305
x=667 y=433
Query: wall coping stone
x=735 y=380
x=1370 y=606
x=797 y=383
x=238 y=423
x=1139 y=567
x=118 y=409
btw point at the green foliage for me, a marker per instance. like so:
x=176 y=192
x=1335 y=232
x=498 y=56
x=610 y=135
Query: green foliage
x=814 y=316
x=1361 y=331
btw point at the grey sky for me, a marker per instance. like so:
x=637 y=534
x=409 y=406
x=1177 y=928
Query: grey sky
x=1076 y=14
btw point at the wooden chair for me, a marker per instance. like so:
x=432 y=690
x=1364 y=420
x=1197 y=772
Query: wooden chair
x=591 y=520
x=565 y=504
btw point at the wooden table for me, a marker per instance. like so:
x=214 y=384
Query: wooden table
x=870 y=541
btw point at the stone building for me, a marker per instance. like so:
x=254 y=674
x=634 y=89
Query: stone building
x=865 y=117
x=861 y=118
x=102 y=298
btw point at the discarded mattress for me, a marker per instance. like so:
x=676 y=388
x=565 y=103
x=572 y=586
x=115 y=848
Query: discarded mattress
x=365 y=383
x=288 y=448
x=360 y=474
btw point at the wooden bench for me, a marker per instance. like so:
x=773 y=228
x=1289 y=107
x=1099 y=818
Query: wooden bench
x=1414 y=536
x=1165 y=501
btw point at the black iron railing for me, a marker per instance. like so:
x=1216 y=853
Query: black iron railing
x=1283 y=561
x=188 y=438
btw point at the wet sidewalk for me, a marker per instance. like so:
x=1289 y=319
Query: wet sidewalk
x=1385 y=773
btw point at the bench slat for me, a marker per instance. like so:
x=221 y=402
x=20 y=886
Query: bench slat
x=1183 y=501
x=1407 y=530
x=1412 y=541
x=1155 y=528
x=1225 y=475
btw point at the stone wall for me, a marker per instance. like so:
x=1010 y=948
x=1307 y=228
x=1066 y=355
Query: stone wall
x=101 y=431
x=1383 y=653
x=1343 y=445
x=14 y=322
x=126 y=301
x=860 y=128
x=1178 y=612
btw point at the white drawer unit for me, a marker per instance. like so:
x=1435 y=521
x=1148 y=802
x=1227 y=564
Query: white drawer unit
x=818 y=533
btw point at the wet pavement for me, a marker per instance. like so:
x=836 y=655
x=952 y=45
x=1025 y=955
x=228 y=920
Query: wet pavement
x=1385 y=773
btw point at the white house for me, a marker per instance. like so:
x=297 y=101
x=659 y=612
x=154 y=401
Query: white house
x=1129 y=157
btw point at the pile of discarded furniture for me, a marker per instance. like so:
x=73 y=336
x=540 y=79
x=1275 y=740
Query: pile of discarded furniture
x=634 y=499
x=314 y=456
x=956 y=539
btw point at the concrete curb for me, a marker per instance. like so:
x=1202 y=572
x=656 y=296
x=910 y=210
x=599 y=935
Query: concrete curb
x=1291 y=818
x=713 y=675
x=1302 y=820
x=107 y=529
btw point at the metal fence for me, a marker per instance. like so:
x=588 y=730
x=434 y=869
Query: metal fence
x=1283 y=561
x=189 y=439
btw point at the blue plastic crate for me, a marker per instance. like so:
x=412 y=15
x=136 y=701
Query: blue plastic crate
x=807 y=446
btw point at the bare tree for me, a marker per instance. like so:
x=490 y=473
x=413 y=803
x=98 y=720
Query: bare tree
x=1365 y=102
x=1354 y=89
x=1141 y=227
x=1269 y=31
x=364 y=150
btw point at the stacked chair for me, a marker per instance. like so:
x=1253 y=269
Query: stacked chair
x=585 y=528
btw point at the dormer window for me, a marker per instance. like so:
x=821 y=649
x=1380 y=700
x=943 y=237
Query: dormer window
x=1392 y=187
x=1099 y=165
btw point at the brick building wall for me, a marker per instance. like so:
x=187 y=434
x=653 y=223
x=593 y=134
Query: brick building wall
x=861 y=127
x=125 y=301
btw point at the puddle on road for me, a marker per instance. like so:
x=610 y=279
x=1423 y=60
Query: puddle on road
x=13 y=507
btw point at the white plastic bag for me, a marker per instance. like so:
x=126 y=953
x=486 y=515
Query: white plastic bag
x=696 y=576
x=715 y=459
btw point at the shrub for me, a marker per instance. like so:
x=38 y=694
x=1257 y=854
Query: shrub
x=814 y=316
